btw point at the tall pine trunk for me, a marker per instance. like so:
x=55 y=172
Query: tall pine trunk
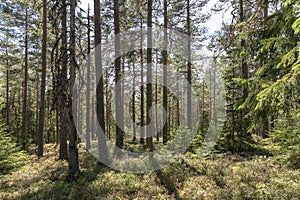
x=7 y=90
x=189 y=69
x=24 y=112
x=265 y=127
x=102 y=148
x=62 y=87
x=73 y=167
x=149 y=139
x=244 y=70
x=119 y=114
x=133 y=100
x=165 y=73
x=40 y=135
x=142 y=131
x=88 y=87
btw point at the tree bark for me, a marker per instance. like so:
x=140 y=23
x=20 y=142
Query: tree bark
x=133 y=102
x=189 y=69
x=142 y=134
x=7 y=91
x=88 y=84
x=62 y=87
x=40 y=138
x=165 y=73
x=73 y=167
x=149 y=139
x=265 y=127
x=118 y=95
x=244 y=70
x=102 y=148
x=24 y=113
x=37 y=107
x=156 y=99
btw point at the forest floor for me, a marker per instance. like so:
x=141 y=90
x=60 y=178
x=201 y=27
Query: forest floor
x=221 y=176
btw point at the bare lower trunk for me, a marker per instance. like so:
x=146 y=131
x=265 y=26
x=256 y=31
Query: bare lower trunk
x=62 y=90
x=40 y=138
x=119 y=114
x=73 y=167
x=149 y=139
x=189 y=70
x=24 y=114
x=102 y=148
x=165 y=73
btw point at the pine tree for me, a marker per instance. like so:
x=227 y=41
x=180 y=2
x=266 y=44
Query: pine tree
x=40 y=137
x=149 y=139
x=119 y=114
x=73 y=167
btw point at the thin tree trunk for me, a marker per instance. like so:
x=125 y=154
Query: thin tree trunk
x=18 y=113
x=243 y=44
x=102 y=148
x=233 y=126
x=7 y=91
x=133 y=102
x=93 y=117
x=123 y=95
x=24 y=114
x=56 y=126
x=214 y=113
x=177 y=101
x=189 y=70
x=73 y=167
x=265 y=128
x=203 y=108
x=107 y=103
x=244 y=69
x=119 y=114
x=88 y=78
x=156 y=99
x=37 y=107
x=142 y=141
x=165 y=73
x=40 y=138
x=47 y=107
x=149 y=139
x=62 y=85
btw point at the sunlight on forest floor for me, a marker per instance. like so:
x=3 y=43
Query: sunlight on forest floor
x=218 y=177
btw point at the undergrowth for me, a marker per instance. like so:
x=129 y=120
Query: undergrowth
x=219 y=176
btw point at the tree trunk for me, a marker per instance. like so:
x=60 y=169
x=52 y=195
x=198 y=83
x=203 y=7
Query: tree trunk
x=88 y=79
x=119 y=114
x=142 y=141
x=24 y=113
x=149 y=140
x=7 y=91
x=265 y=127
x=165 y=73
x=189 y=70
x=73 y=167
x=40 y=138
x=102 y=148
x=107 y=104
x=177 y=101
x=56 y=126
x=62 y=87
x=37 y=108
x=133 y=102
x=244 y=70
x=93 y=116
x=156 y=99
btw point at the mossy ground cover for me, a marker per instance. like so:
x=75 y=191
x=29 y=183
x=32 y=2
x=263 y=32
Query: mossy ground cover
x=220 y=176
